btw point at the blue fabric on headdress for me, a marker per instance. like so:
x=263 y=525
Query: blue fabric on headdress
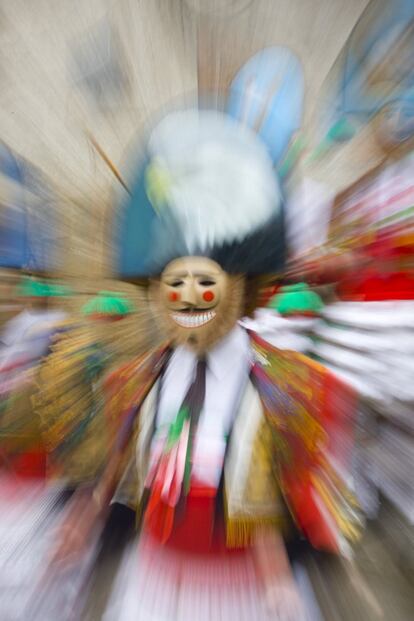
x=267 y=95
x=147 y=239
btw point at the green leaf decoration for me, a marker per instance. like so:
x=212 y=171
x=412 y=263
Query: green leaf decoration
x=108 y=303
x=59 y=291
x=34 y=288
x=296 y=299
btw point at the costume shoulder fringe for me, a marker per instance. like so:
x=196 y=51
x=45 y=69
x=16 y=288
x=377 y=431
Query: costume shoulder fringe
x=69 y=404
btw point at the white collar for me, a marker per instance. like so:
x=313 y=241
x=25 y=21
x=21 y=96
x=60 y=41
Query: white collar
x=230 y=353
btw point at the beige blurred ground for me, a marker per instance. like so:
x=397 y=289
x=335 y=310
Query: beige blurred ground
x=378 y=585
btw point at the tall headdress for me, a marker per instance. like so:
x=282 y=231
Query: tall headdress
x=208 y=186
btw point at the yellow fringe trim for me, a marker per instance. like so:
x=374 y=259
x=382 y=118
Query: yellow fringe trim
x=242 y=532
x=350 y=530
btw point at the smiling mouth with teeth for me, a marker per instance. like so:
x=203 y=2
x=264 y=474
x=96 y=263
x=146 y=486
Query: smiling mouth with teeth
x=187 y=319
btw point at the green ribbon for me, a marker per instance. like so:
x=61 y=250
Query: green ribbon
x=176 y=428
x=174 y=433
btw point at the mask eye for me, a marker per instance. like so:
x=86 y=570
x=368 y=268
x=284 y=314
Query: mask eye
x=205 y=282
x=176 y=283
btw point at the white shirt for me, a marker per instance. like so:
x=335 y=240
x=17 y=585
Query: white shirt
x=281 y=332
x=228 y=367
x=27 y=334
x=18 y=329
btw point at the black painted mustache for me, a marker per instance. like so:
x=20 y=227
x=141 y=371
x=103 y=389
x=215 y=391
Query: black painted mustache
x=194 y=309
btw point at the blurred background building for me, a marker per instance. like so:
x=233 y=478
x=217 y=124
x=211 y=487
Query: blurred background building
x=81 y=81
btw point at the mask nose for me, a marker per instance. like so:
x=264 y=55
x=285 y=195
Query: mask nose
x=188 y=295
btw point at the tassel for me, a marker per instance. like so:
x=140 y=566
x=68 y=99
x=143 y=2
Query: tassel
x=241 y=532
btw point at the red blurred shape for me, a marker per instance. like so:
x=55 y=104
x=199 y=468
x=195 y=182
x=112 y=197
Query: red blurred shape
x=30 y=465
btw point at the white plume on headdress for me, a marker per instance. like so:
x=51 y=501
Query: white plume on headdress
x=221 y=182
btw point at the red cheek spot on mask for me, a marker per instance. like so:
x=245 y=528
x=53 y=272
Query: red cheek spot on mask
x=208 y=296
x=173 y=296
